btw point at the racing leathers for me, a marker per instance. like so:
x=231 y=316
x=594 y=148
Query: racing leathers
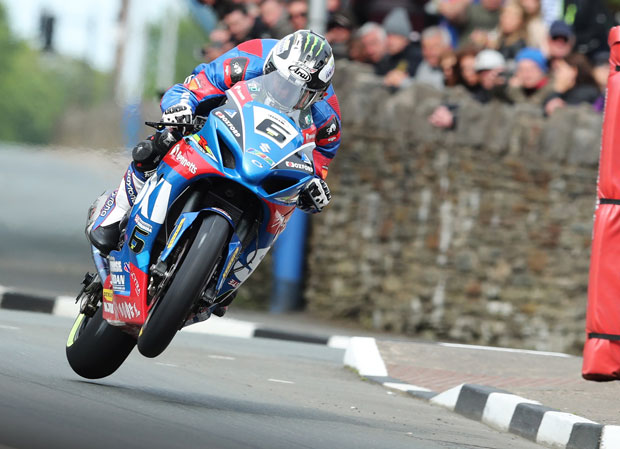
x=202 y=91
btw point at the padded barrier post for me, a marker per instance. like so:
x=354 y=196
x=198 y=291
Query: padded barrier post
x=601 y=354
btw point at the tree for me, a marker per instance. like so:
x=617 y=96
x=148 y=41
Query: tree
x=36 y=88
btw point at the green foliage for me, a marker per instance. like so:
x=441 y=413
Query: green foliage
x=190 y=40
x=36 y=88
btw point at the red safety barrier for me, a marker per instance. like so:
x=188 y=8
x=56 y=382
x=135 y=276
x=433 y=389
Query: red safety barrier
x=601 y=354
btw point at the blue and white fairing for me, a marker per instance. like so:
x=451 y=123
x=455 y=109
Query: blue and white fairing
x=252 y=143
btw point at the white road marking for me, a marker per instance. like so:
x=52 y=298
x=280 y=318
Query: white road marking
x=338 y=342
x=490 y=348
x=281 y=381
x=226 y=327
x=66 y=306
x=221 y=357
x=166 y=364
x=10 y=328
x=404 y=387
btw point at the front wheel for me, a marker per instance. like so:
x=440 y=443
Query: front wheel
x=95 y=348
x=170 y=311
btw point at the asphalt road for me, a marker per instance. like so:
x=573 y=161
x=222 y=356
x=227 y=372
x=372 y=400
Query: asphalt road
x=210 y=392
x=45 y=193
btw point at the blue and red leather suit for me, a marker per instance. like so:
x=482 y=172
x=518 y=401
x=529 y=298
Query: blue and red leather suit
x=208 y=82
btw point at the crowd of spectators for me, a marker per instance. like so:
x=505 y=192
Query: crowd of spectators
x=548 y=53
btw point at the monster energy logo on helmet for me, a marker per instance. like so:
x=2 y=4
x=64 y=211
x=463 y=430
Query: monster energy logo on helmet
x=317 y=39
x=303 y=56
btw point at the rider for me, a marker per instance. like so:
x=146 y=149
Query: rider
x=303 y=51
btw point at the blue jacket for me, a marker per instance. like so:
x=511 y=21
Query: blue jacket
x=209 y=81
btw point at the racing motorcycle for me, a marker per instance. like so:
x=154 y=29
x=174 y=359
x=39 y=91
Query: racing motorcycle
x=198 y=228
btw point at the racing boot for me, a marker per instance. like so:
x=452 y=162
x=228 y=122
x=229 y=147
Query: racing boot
x=105 y=232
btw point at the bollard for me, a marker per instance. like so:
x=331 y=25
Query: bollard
x=601 y=353
x=289 y=259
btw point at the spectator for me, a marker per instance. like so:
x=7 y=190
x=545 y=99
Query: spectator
x=561 y=40
x=298 y=12
x=356 y=47
x=219 y=43
x=373 y=43
x=403 y=56
x=536 y=28
x=274 y=15
x=590 y=21
x=479 y=21
x=377 y=10
x=489 y=65
x=600 y=73
x=572 y=83
x=449 y=66
x=339 y=34
x=511 y=31
x=242 y=25
x=530 y=84
x=435 y=41
x=465 y=66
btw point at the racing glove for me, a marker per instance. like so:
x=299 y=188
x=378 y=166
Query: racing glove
x=179 y=113
x=314 y=197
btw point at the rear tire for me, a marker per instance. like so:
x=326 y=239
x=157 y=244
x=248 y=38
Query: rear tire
x=170 y=311
x=95 y=348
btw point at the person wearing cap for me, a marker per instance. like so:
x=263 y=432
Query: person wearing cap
x=530 y=84
x=490 y=66
x=403 y=55
x=561 y=40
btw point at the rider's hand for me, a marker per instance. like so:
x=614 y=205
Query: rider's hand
x=314 y=197
x=179 y=113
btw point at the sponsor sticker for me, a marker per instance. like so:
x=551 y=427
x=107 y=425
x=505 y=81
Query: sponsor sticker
x=108 y=205
x=136 y=283
x=228 y=123
x=127 y=310
x=299 y=166
x=262 y=155
x=182 y=160
x=300 y=72
x=176 y=233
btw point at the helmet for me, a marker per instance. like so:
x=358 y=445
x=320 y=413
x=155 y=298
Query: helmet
x=304 y=58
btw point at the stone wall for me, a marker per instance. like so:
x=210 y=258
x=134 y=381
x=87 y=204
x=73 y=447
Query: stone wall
x=478 y=235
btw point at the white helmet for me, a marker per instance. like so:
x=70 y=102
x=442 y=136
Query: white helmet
x=306 y=59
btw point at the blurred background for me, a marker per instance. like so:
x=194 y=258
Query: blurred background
x=463 y=190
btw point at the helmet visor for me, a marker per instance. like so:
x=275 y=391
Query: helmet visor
x=287 y=92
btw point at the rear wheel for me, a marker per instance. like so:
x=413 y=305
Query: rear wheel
x=95 y=348
x=170 y=311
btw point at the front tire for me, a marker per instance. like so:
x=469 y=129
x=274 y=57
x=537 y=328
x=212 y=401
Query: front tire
x=95 y=348
x=170 y=311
